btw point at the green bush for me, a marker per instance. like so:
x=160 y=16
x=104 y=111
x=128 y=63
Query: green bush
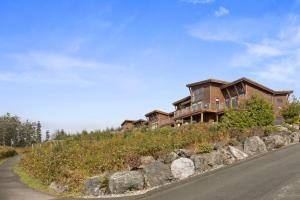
x=291 y=112
x=233 y=142
x=204 y=148
x=254 y=112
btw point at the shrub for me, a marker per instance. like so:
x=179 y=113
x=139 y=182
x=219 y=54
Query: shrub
x=204 y=148
x=6 y=152
x=291 y=112
x=133 y=161
x=233 y=142
x=254 y=112
x=270 y=129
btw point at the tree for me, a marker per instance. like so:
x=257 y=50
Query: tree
x=254 y=112
x=47 y=135
x=38 y=132
x=60 y=135
x=291 y=112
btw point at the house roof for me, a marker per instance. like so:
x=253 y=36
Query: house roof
x=139 y=120
x=243 y=79
x=182 y=100
x=156 y=111
x=127 y=121
x=207 y=81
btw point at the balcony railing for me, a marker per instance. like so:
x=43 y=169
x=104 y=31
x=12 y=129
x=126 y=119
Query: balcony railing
x=199 y=107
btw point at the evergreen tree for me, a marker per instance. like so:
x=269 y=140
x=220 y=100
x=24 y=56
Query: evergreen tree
x=38 y=132
x=47 y=135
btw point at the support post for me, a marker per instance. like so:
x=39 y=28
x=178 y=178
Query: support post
x=217 y=117
x=202 y=117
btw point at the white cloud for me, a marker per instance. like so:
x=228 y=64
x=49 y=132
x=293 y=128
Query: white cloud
x=221 y=12
x=195 y=2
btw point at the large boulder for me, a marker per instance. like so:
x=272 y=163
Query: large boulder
x=201 y=162
x=204 y=162
x=157 y=173
x=215 y=158
x=58 y=187
x=182 y=168
x=95 y=186
x=123 y=181
x=237 y=154
x=295 y=137
x=227 y=157
x=169 y=158
x=281 y=128
x=274 y=141
x=254 y=145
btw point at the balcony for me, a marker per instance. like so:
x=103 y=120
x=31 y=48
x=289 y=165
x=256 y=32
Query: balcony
x=210 y=107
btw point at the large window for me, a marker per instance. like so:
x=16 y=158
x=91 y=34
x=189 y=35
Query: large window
x=198 y=94
x=234 y=102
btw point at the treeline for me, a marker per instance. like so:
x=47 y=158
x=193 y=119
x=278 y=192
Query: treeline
x=14 y=132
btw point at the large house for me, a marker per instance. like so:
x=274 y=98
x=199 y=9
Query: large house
x=209 y=98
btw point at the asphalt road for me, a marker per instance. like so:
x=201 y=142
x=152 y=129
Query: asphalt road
x=10 y=186
x=273 y=176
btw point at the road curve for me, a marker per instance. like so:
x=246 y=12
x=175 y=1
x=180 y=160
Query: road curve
x=11 y=187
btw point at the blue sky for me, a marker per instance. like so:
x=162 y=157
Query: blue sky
x=90 y=64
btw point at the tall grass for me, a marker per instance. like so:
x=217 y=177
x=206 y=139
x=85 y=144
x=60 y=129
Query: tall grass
x=6 y=152
x=71 y=160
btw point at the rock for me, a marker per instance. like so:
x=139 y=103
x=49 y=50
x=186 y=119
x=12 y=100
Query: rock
x=169 y=158
x=92 y=186
x=219 y=145
x=185 y=153
x=58 y=187
x=201 y=162
x=227 y=157
x=182 y=168
x=120 y=182
x=295 y=137
x=287 y=139
x=157 y=173
x=215 y=158
x=146 y=160
x=274 y=141
x=281 y=128
x=296 y=126
x=254 y=145
x=238 y=154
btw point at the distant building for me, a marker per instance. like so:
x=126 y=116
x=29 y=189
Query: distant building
x=208 y=100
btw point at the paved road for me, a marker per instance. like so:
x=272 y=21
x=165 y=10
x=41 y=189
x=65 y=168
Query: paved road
x=273 y=176
x=12 y=189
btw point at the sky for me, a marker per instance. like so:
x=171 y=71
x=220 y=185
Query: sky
x=90 y=64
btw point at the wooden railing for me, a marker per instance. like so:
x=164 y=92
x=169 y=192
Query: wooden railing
x=198 y=107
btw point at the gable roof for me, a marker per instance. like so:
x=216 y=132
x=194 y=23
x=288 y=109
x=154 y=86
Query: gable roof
x=156 y=111
x=244 y=79
x=127 y=121
x=139 y=120
x=207 y=81
x=182 y=100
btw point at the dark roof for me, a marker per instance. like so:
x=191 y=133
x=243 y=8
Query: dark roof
x=140 y=120
x=127 y=121
x=257 y=85
x=207 y=81
x=156 y=111
x=182 y=100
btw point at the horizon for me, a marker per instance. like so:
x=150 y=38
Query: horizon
x=87 y=65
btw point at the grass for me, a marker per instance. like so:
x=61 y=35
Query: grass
x=6 y=152
x=35 y=183
x=2 y=160
x=72 y=160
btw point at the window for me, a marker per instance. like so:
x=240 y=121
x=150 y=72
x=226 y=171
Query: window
x=227 y=103
x=234 y=102
x=279 y=102
x=217 y=103
x=198 y=94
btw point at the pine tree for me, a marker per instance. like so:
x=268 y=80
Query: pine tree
x=39 y=132
x=47 y=135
